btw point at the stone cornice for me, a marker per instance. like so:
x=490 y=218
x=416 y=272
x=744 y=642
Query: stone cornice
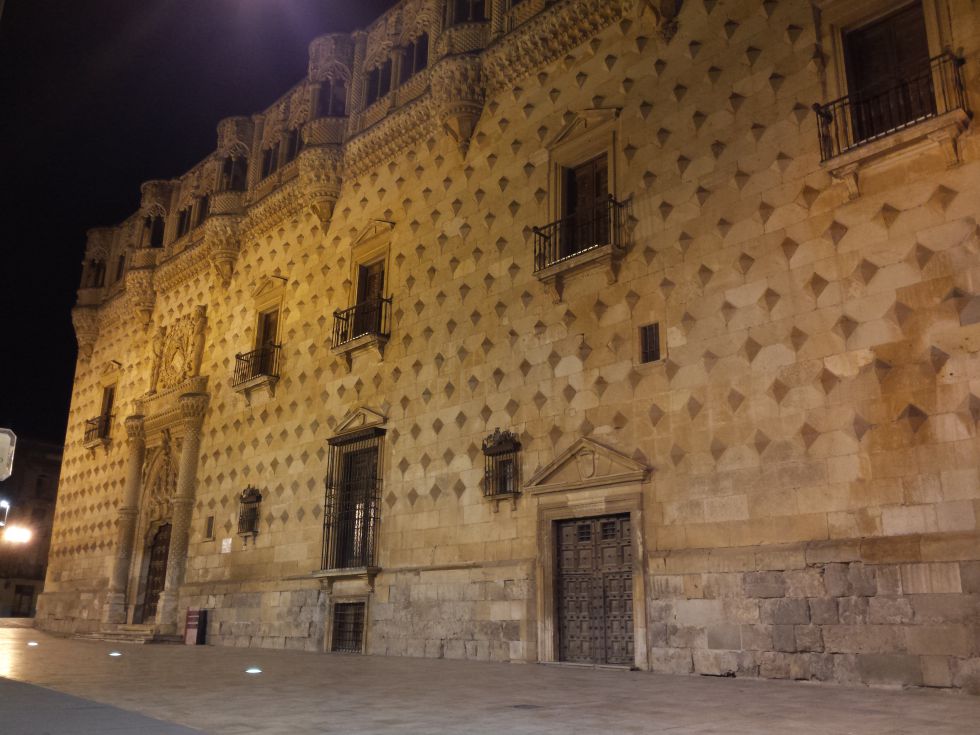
x=181 y=268
x=391 y=135
x=264 y=215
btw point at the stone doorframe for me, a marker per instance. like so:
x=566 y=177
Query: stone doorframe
x=585 y=481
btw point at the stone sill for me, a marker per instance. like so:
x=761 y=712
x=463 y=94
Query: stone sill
x=100 y=442
x=359 y=344
x=601 y=256
x=261 y=384
x=330 y=576
x=498 y=498
x=943 y=131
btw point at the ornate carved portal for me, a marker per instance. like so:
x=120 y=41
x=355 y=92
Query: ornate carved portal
x=177 y=351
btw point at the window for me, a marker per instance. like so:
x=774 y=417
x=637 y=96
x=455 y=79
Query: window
x=263 y=361
x=378 y=83
x=203 y=207
x=248 y=512
x=468 y=11
x=270 y=160
x=234 y=173
x=294 y=144
x=332 y=99
x=153 y=231
x=93 y=276
x=371 y=312
x=415 y=58
x=501 y=466
x=183 y=221
x=650 y=343
x=120 y=267
x=97 y=429
x=348 y=627
x=353 y=493
x=209 y=529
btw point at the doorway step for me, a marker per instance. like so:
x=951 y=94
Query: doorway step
x=139 y=634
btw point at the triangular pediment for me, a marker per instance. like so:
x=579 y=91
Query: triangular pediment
x=360 y=418
x=375 y=228
x=586 y=464
x=585 y=121
x=267 y=286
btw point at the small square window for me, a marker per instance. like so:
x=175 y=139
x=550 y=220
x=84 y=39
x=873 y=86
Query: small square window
x=650 y=343
x=348 y=627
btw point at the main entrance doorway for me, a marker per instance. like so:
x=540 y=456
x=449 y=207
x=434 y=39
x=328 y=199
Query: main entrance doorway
x=156 y=573
x=595 y=590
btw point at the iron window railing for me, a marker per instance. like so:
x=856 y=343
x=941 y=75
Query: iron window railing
x=248 y=511
x=98 y=429
x=352 y=504
x=367 y=318
x=579 y=233
x=501 y=473
x=861 y=117
x=260 y=363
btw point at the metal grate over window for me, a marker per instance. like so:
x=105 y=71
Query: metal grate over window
x=650 y=343
x=348 y=627
x=353 y=500
x=502 y=468
x=248 y=511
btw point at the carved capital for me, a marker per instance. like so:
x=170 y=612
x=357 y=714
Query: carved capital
x=140 y=295
x=459 y=91
x=193 y=406
x=222 y=242
x=134 y=428
x=321 y=174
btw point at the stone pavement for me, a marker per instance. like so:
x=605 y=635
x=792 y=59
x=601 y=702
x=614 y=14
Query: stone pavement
x=206 y=688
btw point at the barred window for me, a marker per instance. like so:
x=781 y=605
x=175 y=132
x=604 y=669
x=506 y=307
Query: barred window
x=650 y=343
x=352 y=502
x=501 y=471
x=248 y=511
x=348 y=627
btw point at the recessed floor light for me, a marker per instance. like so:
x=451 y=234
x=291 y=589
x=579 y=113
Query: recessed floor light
x=114 y=653
x=253 y=670
x=32 y=643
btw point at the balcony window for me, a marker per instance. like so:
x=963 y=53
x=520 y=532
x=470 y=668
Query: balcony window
x=467 y=11
x=415 y=58
x=294 y=144
x=352 y=501
x=263 y=361
x=98 y=429
x=153 y=231
x=120 y=268
x=332 y=99
x=202 y=208
x=234 y=173
x=378 y=83
x=93 y=274
x=270 y=160
x=892 y=83
x=371 y=314
x=183 y=222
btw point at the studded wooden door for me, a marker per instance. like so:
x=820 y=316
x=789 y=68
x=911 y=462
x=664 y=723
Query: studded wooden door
x=156 y=573
x=595 y=590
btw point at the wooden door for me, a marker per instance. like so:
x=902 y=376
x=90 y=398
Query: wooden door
x=370 y=291
x=586 y=205
x=595 y=591
x=889 y=74
x=156 y=573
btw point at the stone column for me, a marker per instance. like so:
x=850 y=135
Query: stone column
x=114 y=609
x=192 y=408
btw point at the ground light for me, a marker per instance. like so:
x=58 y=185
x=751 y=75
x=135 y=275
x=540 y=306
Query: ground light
x=253 y=670
x=114 y=653
x=31 y=643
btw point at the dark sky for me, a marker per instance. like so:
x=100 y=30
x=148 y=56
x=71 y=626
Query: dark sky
x=97 y=96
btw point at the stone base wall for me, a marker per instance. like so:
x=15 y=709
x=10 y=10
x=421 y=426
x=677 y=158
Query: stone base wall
x=260 y=615
x=891 y=611
x=74 y=611
x=474 y=613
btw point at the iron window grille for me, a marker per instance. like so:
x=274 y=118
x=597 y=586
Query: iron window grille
x=348 y=627
x=209 y=529
x=352 y=501
x=248 y=511
x=650 y=343
x=580 y=233
x=501 y=474
x=260 y=363
x=858 y=118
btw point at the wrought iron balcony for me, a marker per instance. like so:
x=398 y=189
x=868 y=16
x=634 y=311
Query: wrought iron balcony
x=260 y=363
x=97 y=430
x=579 y=233
x=865 y=116
x=369 y=318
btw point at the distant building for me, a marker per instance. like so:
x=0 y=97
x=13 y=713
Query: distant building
x=556 y=331
x=31 y=491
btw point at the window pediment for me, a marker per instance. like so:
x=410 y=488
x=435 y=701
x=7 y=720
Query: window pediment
x=359 y=419
x=586 y=464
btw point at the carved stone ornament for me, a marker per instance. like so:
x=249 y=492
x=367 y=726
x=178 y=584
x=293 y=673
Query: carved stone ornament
x=320 y=172
x=234 y=136
x=140 y=294
x=177 y=351
x=458 y=92
x=98 y=243
x=156 y=197
x=331 y=57
x=160 y=483
x=501 y=442
x=223 y=243
x=85 y=319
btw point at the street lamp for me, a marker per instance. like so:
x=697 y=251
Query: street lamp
x=4 y=505
x=17 y=535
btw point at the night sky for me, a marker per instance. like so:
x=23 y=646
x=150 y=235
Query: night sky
x=96 y=97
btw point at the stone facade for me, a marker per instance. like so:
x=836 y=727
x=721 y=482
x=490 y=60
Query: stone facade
x=800 y=466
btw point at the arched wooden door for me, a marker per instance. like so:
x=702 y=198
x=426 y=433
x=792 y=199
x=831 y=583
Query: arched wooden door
x=156 y=572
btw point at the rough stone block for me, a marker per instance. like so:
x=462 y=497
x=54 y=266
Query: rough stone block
x=836 y=580
x=774 y=665
x=863 y=638
x=862 y=580
x=890 y=669
x=889 y=610
x=787 y=611
x=727 y=636
x=970 y=576
x=852 y=610
x=823 y=611
x=948 y=640
x=940 y=609
x=805 y=583
x=808 y=638
x=918 y=579
x=936 y=671
x=671 y=660
x=757 y=637
x=783 y=638
x=715 y=663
